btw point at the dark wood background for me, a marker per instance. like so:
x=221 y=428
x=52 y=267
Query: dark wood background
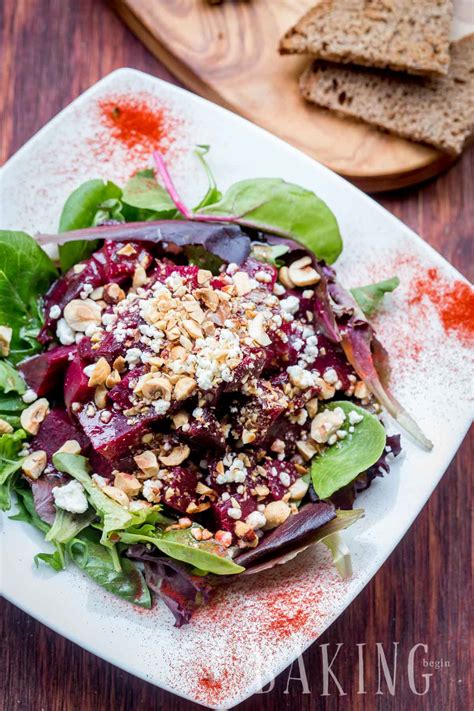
x=51 y=51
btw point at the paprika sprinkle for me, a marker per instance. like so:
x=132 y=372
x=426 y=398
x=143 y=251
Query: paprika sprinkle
x=453 y=301
x=136 y=122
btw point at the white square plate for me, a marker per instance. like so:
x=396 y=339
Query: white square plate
x=254 y=628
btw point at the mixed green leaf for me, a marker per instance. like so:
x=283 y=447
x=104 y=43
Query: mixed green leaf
x=339 y=464
x=20 y=305
x=370 y=297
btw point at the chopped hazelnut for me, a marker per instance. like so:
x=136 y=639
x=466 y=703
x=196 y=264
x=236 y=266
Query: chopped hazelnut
x=276 y=513
x=5 y=340
x=147 y=463
x=100 y=373
x=184 y=388
x=127 y=483
x=176 y=456
x=81 y=313
x=33 y=416
x=34 y=464
x=70 y=446
x=302 y=272
x=116 y=494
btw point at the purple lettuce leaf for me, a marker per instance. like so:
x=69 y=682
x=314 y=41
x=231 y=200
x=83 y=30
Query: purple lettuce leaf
x=173 y=582
x=291 y=536
x=42 y=490
x=228 y=242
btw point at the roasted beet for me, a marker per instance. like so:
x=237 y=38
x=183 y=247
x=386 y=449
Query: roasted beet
x=203 y=431
x=182 y=488
x=116 y=267
x=76 y=387
x=276 y=471
x=258 y=413
x=250 y=366
x=121 y=394
x=221 y=508
x=57 y=428
x=67 y=288
x=43 y=372
x=113 y=439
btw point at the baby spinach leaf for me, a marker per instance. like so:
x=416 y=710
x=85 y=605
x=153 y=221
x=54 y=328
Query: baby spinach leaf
x=81 y=210
x=143 y=192
x=113 y=516
x=205 y=555
x=10 y=463
x=54 y=560
x=95 y=560
x=212 y=195
x=10 y=379
x=26 y=272
x=370 y=297
x=26 y=510
x=340 y=463
x=275 y=206
x=67 y=525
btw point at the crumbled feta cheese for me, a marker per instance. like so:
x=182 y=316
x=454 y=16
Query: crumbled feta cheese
x=133 y=355
x=55 y=312
x=71 y=497
x=234 y=513
x=256 y=520
x=300 y=378
x=355 y=418
x=64 y=332
x=29 y=396
x=285 y=478
x=161 y=406
x=330 y=376
x=290 y=305
x=86 y=290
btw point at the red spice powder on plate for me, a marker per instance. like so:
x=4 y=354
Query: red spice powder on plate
x=138 y=123
x=454 y=301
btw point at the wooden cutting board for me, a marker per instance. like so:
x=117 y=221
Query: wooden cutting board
x=228 y=53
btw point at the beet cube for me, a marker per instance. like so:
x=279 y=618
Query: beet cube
x=204 y=431
x=56 y=428
x=43 y=372
x=220 y=510
x=259 y=413
x=273 y=469
x=76 y=388
x=181 y=488
x=113 y=439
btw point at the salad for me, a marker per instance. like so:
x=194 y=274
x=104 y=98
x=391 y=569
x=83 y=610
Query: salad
x=188 y=395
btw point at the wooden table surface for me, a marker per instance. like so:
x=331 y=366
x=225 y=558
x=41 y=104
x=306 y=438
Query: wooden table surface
x=52 y=50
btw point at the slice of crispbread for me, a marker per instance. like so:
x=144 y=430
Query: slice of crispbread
x=438 y=111
x=404 y=35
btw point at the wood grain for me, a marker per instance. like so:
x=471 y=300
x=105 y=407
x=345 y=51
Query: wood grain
x=228 y=53
x=51 y=51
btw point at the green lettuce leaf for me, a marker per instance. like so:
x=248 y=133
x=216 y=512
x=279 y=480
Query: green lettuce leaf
x=26 y=272
x=113 y=516
x=87 y=205
x=340 y=463
x=275 y=206
x=97 y=562
x=10 y=379
x=370 y=297
x=10 y=463
x=67 y=525
x=144 y=193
